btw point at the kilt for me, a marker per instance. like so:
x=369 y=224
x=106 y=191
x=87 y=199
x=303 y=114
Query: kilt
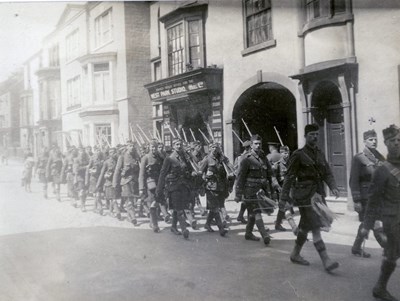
x=215 y=199
x=180 y=197
x=309 y=220
x=129 y=189
x=110 y=193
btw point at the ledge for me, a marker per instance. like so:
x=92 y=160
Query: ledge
x=325 y=21
x=259 y=47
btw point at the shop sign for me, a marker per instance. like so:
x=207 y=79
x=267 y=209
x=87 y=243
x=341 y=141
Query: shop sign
x=176 y=88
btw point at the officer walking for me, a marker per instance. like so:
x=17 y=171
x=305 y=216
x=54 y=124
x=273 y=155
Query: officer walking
x=307 y=172
x=384 y=202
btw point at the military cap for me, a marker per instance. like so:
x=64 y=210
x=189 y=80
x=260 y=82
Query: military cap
x=255 y=137
x=390 y=132
x=311 y=128
x=369 y=134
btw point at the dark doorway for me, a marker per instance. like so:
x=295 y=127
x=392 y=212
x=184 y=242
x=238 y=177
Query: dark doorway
x=264 y=107
x=328 y=113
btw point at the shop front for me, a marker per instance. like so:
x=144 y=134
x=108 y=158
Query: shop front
x=188 y=105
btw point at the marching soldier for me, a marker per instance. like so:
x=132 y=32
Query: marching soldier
x=217 y=186
x=150 y=167
x=246 y=145
x=197 y=156
x=68 y=173
x=126 y=174
x=105 y=180
x=362 y=167
x=176 y=179
x=307 y=172
x=280 y=170
x=91 y=178
x=54 y=170
x=41 y=170
x=255 y=174
x=79 y=169
x=384 y=203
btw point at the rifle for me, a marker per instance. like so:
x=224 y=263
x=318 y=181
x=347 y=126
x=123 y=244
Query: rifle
x=247 y=128
x=237 y=136
x=279 y=137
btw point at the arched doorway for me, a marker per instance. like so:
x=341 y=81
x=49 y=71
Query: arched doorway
x=263 y=107
x=327 y=111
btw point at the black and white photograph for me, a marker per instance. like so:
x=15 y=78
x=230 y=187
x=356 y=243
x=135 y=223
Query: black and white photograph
x=200 y=150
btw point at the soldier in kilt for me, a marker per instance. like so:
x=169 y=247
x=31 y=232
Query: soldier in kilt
x=41 y=166
x=126 y=174
x=67 y=172
x=255 y=175
x=384 y=203
x=104 y=182
x=54 y=170
x=176 y=181
x=79 y=169
x=91 y=178
x=306 y=174
x=216 y=185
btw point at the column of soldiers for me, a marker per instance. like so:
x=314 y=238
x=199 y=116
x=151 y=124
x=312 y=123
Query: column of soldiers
x=149 y=179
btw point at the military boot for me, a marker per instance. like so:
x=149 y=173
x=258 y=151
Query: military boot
x=379 y=290
x=207 y=225
x=249 y=229
x=182 y=224
x=278 y=223
x=329 y=264
x=264 y=233
x=240 y=217
x=174 y=224
x=222 y=230
x=153 y=220
x=295 y=256
x=357 y=249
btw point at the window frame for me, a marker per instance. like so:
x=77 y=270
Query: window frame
x=270 y=42
x=103 y=126
x=330 y=17
x=98 y=26
x=71 y=54
x=103 y=99
x=184 y=19
x=74 y=101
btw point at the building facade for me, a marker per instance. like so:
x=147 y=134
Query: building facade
x=270 y=67
x=103 y=61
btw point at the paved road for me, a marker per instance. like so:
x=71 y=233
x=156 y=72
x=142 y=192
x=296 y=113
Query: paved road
x=51 y=251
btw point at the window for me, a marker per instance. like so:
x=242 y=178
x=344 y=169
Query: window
x=73 y=93
x=258 y=21
x=157 y=71
x=167 y=140
x=72 y=42
x=102 y=83
x=103 y=28
x=158 y=110
x=217 y=136
x=185 y=46
x=53 y=99
x=324 y=8
x=54 y=60
x=103 y=133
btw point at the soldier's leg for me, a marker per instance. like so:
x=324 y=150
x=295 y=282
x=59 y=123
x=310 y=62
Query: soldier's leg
x=295 y=256
x=380 y=288
x=240 y=217
x=151 y=201
x=280 y=216
x=319 y=244
x=57 y=188
x=45 y=190
x=222 y=230
x=99 y=202
x=210 y=217
x=174 y=224
x=250 y=225
x=116 y=209
x=261 y=228
x=53 y=185
x=130 y=209
x=182 y=223
x=164 y=211
x=199 y=205
x=191 y=219
x=82 y=197
x=379 y=234
x=357 y=245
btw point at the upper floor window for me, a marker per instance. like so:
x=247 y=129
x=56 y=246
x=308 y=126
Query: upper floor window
x=185 y=46
x=257 y=21
x=103 y=28
x=54 y=59
x=324 y=8
x=157 y=70
x=73 y=92
x=72 y=43
x=102 y=83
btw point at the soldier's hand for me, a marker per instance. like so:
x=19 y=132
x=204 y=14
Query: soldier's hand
x=335 y=192
x=364 y=233
x=358 y=207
